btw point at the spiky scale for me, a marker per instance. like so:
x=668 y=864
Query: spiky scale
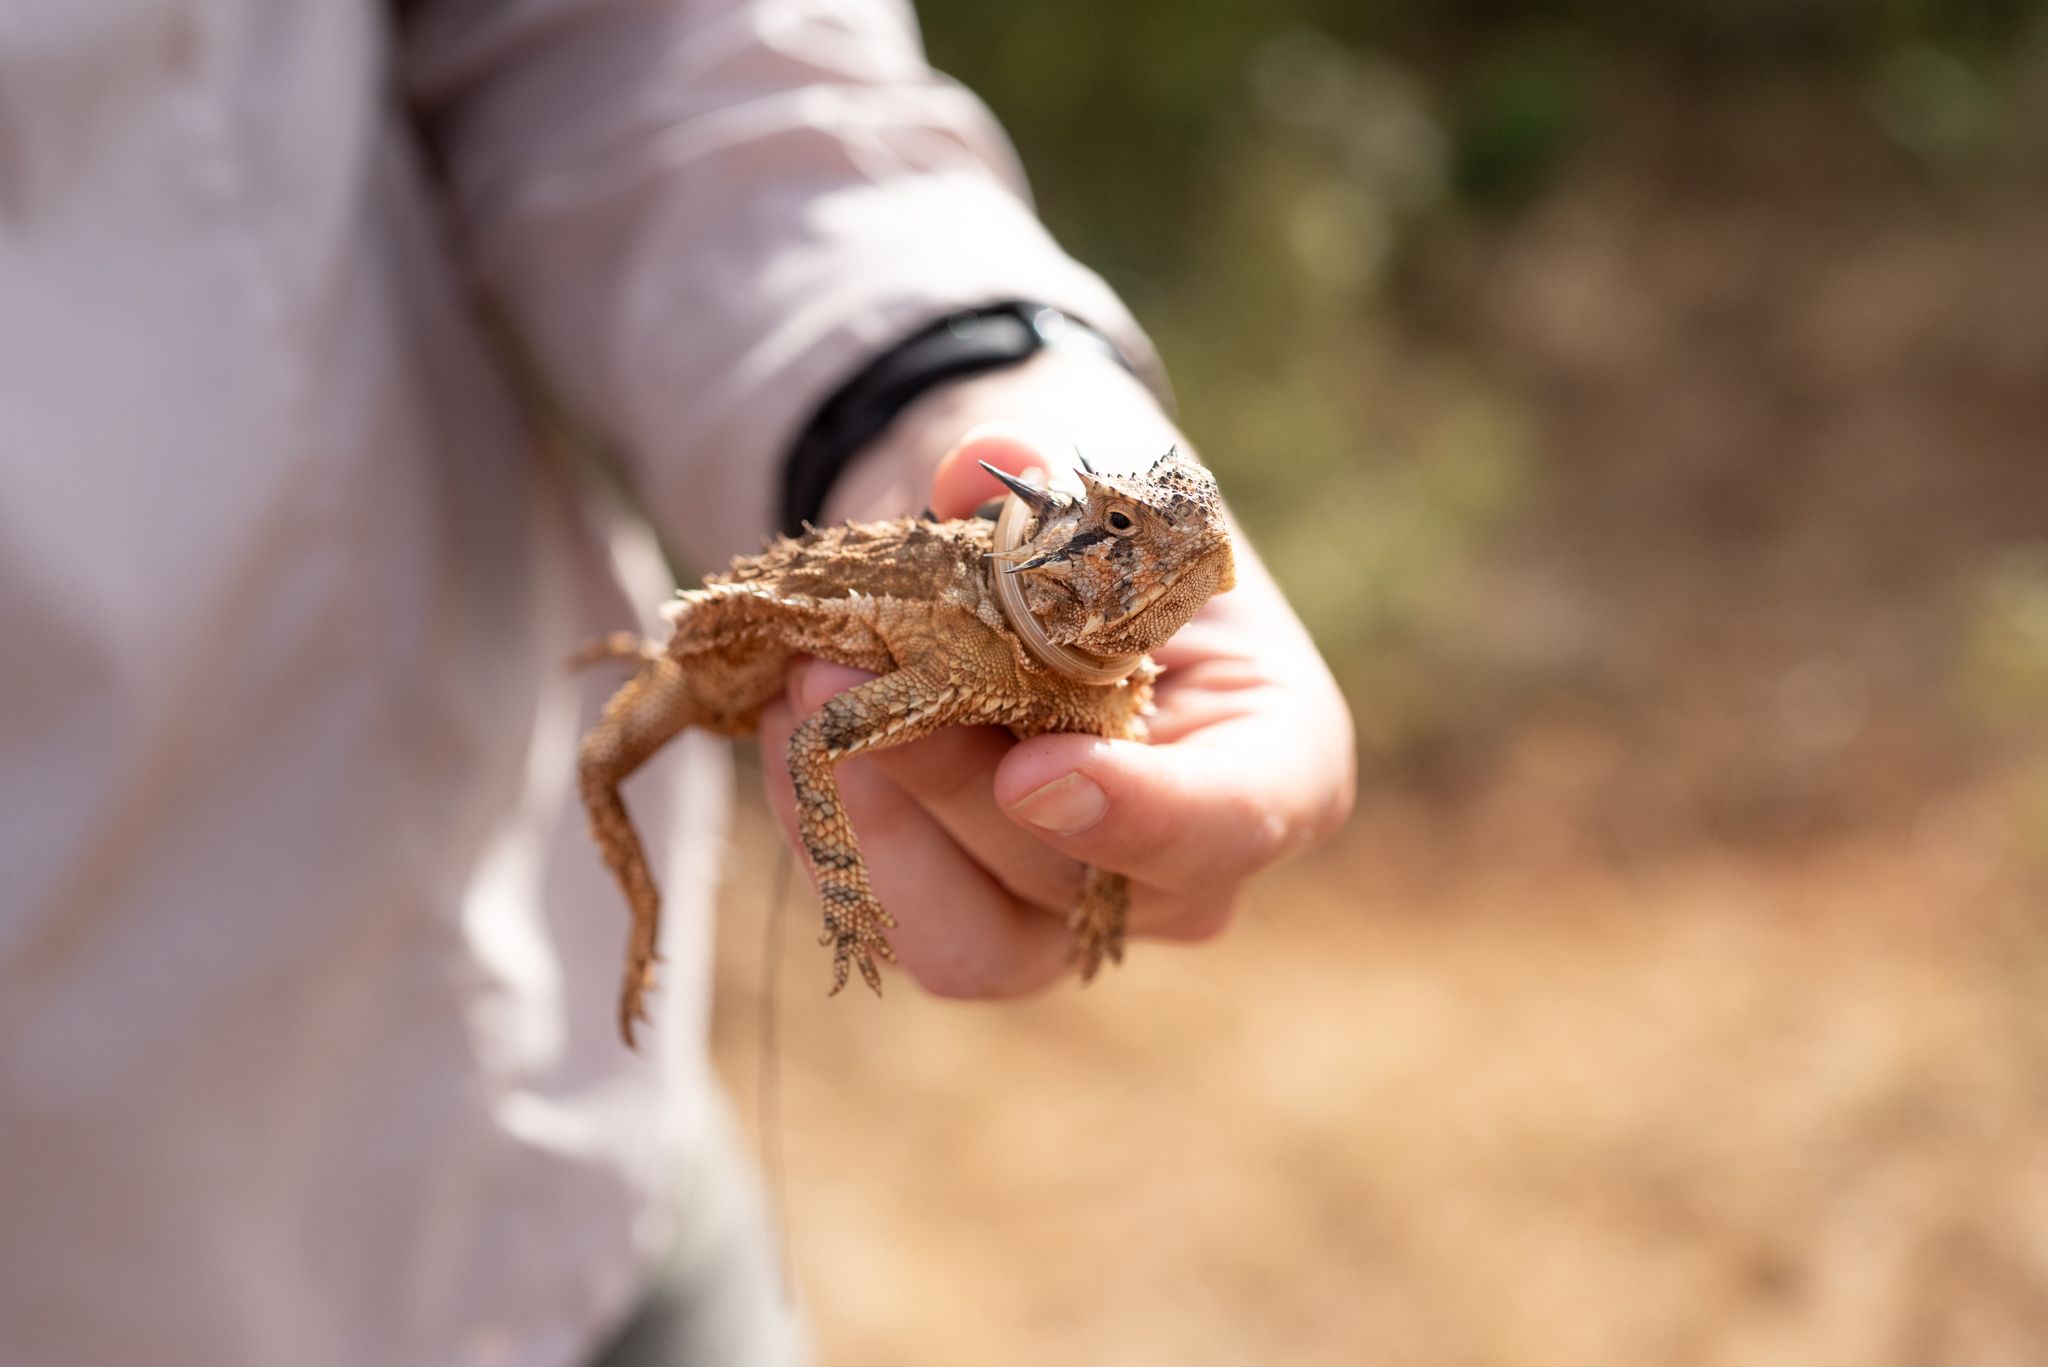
x=912 y=601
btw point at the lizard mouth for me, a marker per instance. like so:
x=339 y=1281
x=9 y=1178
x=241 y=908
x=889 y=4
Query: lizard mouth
x=1071 y=661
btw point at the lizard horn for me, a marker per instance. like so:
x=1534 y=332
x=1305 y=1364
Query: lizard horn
x=1040 y=501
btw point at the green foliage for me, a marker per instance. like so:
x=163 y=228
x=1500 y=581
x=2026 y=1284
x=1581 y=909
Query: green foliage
x=1249 y=178
x=1266 y=184
x=1520 y=113
x=1935 y=103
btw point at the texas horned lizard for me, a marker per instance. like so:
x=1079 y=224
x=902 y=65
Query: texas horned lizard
x=1106 y=575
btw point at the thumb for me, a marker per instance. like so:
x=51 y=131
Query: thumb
x=960 y=485
x=1184 y=817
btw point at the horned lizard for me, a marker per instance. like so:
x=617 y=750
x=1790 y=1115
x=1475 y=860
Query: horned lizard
x=1106 y=574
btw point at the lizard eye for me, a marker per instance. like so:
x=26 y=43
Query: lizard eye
x=1120 y=521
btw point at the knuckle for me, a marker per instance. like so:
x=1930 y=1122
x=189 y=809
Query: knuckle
x=1269 y=834
x=1201 y=919
x=1238 y=836
x=882 y=816
x=980 y=960
x=808 y=693
x=1332 y=815
x=817 y=682
x=1160 y=832
x=935 y=770
x=961 y=978
x=774 y=728
x=1051 y=884
x=949 y=984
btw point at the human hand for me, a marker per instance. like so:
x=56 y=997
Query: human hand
x=975 y=841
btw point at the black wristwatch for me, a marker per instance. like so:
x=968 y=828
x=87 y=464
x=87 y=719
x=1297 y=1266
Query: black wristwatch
x=958 y=345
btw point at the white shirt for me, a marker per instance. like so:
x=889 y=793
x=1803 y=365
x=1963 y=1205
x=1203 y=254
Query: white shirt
x=307 y=969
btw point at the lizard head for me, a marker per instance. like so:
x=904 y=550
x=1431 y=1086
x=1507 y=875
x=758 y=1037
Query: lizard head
x=1120 y=567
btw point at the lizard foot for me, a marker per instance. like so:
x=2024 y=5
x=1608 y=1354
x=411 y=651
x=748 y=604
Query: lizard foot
x=633 y=994
x=854 y=922
x=1098 y=921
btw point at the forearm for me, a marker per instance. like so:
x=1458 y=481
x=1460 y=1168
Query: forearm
x=703 y=217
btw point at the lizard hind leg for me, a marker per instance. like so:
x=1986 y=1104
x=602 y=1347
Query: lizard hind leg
x=892 y=710
x=1101 y=917
x=623 y=646
x=1099 y=921
x=641 y=717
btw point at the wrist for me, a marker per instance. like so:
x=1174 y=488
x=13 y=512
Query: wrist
x=961 y=344
x=1071 y=398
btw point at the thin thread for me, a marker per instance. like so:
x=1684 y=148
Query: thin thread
x=768 y=1081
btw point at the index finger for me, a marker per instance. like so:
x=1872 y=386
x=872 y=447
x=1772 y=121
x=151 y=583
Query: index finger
x=960 y=485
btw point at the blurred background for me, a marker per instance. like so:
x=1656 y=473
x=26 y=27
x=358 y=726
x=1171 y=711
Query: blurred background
x=1647 y=407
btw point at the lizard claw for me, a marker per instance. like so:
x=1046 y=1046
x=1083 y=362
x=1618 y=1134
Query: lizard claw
x=633 y=1004
x=857 y=941
x=1098 y=922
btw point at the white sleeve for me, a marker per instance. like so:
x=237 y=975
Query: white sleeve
x=705 y=215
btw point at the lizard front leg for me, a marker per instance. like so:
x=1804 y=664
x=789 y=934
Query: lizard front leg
x=892 y=710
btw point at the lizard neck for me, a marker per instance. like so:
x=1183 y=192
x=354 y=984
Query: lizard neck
x=1081 y=665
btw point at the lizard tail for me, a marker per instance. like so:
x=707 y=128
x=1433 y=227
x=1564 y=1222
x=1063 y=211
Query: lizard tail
x=642 y=717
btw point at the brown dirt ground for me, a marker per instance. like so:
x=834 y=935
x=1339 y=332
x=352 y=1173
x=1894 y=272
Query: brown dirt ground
x=1716 y=1112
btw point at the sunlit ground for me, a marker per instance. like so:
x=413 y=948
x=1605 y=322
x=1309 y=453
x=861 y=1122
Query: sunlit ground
x=1728 y=1111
